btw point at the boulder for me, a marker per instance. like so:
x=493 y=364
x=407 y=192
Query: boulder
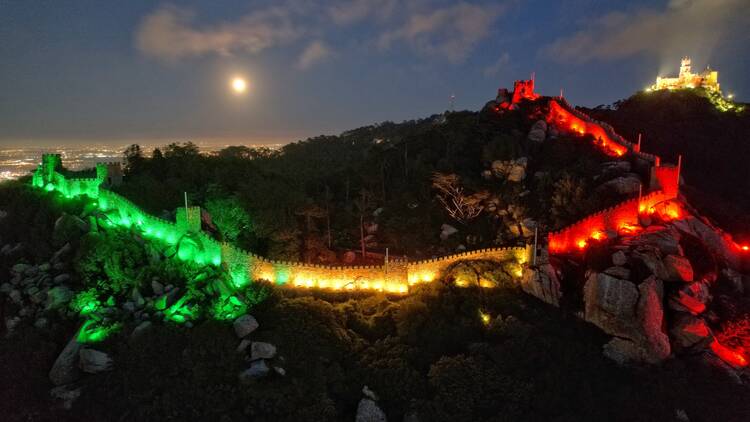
x=244 y=344
x=257 y=369
x=610 y=303
x=623 y=185
x=665 y=239
x=65 y=369
x=20 y=268
x=137 y=298
x=651 y=321
x=93 y=361
x=11 y=323
x=543 y=283
x=538 y=131
x=712 y=238
x=619 y=258
x=262 y=350
x=68 y=223
x=67 y=394
x=689 y=331
x=512 y=170
x=652 y=261
x=140 y=328
x=58 y=297
x=684 y=302
x=537 y=135
x=678 y=268
x=61 y=278
x=446 y=231
x=245 y=325
x=16 y=296
x=61 y=252
x=368 y=411
x=371 y=394
x=157 y=287
x=611 y=168
x=632 y=313
x=618 y=272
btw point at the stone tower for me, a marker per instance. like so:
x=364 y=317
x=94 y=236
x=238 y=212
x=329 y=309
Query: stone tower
x=685 y=70
x=50 y=163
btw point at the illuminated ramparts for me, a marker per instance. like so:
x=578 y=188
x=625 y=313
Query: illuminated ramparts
x=192 y=244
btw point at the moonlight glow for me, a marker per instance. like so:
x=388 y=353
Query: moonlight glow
x=239 y=85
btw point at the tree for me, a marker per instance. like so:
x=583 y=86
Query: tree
x=569 y=199
x=134 y=160
x=363 y=206
x=460 y=206
x=228 y=216
x=185 y=150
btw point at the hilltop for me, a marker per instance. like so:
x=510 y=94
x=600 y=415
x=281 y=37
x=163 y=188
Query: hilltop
x=715 y=145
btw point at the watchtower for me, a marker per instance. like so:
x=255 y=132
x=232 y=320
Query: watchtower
x=50 y=163
x=113 y=176
x=685 y=68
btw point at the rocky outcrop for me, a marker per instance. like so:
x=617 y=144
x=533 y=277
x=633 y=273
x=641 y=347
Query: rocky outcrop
x=542 y=282
x=538 y=132
x=262 y=350
x=93 y=361
x=678 y=268
x=689 y=331
x=65 y=369
x=512 y=170
x=257 y=369
x=623 y=185
x=368 y=409
x=245 y=325
x=634 y=314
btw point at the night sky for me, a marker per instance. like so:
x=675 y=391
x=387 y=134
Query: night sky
x=147 y=71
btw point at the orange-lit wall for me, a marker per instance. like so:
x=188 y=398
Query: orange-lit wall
x=399 y=277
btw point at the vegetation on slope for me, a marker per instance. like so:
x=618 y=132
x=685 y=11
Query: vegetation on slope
x=313 y=199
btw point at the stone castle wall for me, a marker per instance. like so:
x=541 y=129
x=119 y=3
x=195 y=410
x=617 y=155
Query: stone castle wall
x=192 y=244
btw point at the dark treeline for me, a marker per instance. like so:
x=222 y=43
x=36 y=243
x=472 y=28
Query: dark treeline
x=372 y=186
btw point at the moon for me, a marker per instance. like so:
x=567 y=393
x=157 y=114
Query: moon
x=239 y=85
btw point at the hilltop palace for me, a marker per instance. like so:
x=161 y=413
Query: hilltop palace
x=708 y=79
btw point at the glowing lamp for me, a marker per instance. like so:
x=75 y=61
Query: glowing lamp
x=597 y=235
x=485 y=317
x=581 y=244
x=745 y=248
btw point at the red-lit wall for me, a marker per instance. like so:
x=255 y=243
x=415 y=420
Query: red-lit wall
x=665 y=178
x=566 y=121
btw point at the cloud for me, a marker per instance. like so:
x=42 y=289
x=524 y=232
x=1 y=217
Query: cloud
x=349 y=12
x=495 y=68
x=316 y=52
x=451 y=32
x=692 y=27
x=169 y=33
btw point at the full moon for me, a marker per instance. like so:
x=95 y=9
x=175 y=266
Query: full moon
x=239 y=85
